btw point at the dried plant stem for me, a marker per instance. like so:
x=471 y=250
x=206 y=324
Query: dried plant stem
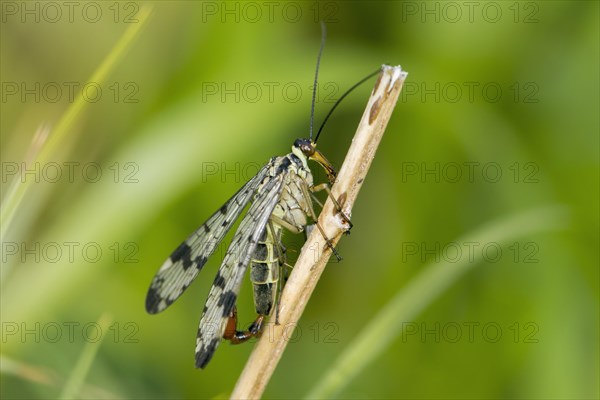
x=315 y=253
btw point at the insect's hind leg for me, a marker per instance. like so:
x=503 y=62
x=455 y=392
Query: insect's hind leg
x=236 y=337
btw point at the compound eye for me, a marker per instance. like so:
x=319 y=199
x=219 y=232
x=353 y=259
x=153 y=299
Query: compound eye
x=307 y=148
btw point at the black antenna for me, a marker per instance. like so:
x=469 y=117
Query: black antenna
x=342 y=98
x=314 y=95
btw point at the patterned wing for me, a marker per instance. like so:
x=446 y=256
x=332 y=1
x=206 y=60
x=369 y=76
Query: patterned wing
x=223 y=294
x=180 y=269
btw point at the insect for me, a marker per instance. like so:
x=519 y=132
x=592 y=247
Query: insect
x=280 y=197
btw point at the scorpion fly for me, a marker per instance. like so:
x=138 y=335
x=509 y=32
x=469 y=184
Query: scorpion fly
x=280 y=196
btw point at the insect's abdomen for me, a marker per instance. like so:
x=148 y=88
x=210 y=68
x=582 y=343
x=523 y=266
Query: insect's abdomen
x=264 y=270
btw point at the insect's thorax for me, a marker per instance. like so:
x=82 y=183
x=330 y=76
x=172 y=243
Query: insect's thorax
x=293 y=206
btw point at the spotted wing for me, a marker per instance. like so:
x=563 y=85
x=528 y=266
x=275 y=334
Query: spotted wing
x=180 y=269
x=225 y=289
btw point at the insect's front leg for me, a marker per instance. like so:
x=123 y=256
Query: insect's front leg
x=307 y=192
x=236 y=337
x=338 y=206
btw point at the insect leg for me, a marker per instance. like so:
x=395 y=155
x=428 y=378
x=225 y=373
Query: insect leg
x=325 y=186
x=306 y=191
x=279 y=247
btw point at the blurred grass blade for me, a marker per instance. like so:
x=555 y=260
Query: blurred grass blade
x=43 y=376
x=100 y=74
x=36 y=145
x=387 y=325
x=30 y=373
x=59 y=135
x=75 y=381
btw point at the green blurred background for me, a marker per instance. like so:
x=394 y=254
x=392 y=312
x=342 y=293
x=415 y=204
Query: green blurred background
x=499 y=116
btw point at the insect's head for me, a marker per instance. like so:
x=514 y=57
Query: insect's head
x=307 y=149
